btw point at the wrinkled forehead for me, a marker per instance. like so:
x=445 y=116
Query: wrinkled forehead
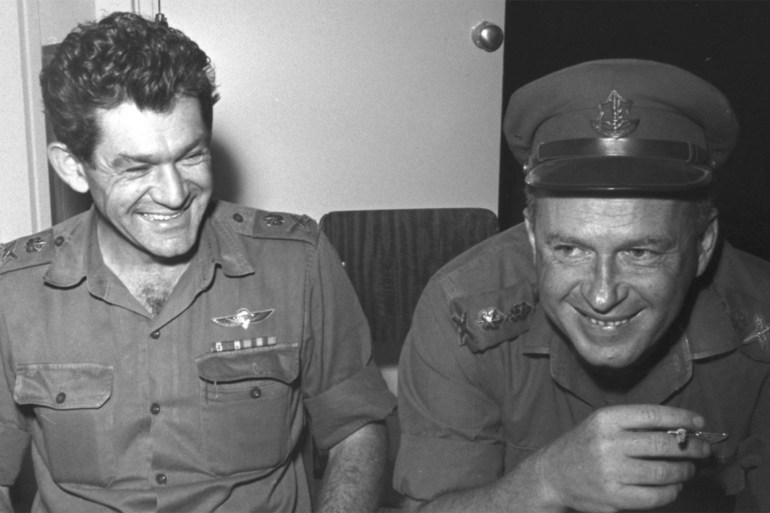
x=609 y=216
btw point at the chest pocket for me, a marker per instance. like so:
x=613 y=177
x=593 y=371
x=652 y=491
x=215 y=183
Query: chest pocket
x=248 y=407
x=72 y=408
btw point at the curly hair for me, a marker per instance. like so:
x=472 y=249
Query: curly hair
x=121 y=58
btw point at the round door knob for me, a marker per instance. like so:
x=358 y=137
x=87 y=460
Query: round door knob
x=487 y=36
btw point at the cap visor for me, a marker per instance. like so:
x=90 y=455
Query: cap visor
x=618 y=174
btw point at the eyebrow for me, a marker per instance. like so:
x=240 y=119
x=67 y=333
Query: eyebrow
x=126 y=158
x=561 y=238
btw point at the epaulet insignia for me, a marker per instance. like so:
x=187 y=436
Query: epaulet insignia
x=756 y=344
x=256 y=223
x=750 y=324
x=285 y=226
x=488 y=319
x=26 y=252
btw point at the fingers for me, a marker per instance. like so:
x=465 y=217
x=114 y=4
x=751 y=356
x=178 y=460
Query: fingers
x=654 y=417
x=660 y=444
x=657 y=473
x=647 y=497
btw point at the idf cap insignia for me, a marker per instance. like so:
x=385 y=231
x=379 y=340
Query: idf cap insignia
x=243 y=318
x=614 y=118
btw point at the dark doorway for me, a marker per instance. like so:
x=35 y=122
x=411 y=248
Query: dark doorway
x=725 y=42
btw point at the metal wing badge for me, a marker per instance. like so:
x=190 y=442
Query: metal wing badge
x=243 y=318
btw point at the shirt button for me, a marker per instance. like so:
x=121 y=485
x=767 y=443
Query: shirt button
x=255 y=392
x=155 y=408
x=161 y=478
x=61 y=397
x=155 y=335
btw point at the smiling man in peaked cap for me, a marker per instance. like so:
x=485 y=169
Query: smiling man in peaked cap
x=610 y=353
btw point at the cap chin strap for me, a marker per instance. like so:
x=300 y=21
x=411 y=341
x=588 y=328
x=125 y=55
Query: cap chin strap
x=610 y=147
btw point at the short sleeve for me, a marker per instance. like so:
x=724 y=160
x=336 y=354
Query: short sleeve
x=14 y=438
x=450 y=426
x=343 y=388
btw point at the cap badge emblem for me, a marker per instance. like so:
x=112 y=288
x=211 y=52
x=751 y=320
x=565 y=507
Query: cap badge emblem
x=614 y=119
x=242 y=318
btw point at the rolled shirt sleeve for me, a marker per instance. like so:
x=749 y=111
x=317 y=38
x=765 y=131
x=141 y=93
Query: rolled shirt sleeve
x=450 y=426
x=344 y=389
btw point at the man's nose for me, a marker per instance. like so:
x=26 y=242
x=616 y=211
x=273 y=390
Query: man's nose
x=170 y=188
x=604 y=289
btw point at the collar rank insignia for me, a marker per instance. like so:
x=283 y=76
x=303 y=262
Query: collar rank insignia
x=242 y=318
x=760 y=333
x=301 y=222
x=6 y=252
x=614 y=118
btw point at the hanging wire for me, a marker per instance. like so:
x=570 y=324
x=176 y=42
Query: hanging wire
x=160 y=17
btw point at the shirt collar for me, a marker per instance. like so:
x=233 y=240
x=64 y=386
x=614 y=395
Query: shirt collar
x=709 y=328
x=708 y=332
x=78 y=255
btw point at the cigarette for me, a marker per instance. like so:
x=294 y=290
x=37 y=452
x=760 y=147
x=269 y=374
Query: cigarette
x=710 y=437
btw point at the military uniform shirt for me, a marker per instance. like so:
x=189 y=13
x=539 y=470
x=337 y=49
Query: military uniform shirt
x=485 y=380
x=201 y=407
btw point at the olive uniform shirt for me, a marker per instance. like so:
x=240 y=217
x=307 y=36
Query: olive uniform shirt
x=201 y=407
x=485 y=380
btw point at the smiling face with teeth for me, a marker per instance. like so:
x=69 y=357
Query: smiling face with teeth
x=613 y=273
x=150 y=180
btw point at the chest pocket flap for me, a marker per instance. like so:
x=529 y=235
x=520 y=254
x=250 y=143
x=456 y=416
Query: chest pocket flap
x=63 y=386
x=277 y=362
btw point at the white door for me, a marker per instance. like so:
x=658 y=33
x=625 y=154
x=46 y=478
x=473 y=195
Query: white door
x=351 y=104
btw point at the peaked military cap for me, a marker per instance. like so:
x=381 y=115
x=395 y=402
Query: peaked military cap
x=620 y=124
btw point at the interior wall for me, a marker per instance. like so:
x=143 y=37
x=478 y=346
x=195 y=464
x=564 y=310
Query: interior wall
x=16 y=216
x=349 y=104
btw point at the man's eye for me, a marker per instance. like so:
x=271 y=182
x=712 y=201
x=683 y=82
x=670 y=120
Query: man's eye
x=137 y=169
x=642 y=254
x=568 y=251
x=195 y=158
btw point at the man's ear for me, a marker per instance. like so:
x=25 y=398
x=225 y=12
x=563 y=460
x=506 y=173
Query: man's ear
x=707 y=243
x=68 y=167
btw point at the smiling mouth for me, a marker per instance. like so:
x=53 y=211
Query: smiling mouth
x=607 y=324
x=162 y=217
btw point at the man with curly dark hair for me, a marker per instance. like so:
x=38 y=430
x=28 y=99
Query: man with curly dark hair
x=164 y=351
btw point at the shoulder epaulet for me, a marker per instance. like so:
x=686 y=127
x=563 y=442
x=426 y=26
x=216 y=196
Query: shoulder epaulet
x=31 y=251
x=488 y=319
x=257 y=223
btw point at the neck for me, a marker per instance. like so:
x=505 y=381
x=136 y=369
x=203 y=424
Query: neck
x=150 y=280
